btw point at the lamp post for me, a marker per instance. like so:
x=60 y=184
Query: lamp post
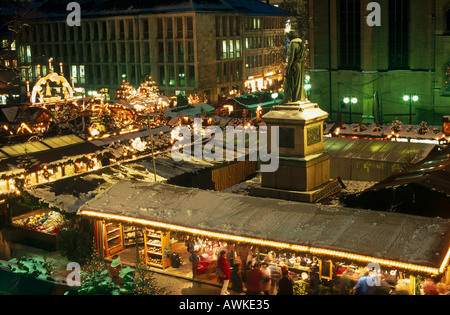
x=411 y=98
x=350 y=101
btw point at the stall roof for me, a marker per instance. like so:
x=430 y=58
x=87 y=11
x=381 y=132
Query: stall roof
x=39 y=146
x=432 y=173
x=189 y=110
x=68 y=194
x=387 y=237
x=377 y=150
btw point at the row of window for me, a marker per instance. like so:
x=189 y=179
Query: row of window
x=108 y=52
x=89 y=31
x=229 y=71
x=256 y=23
x=178 y=27
x=129 y=29
x=178 y=51
x=228 y=26
x=228 y=49
x=180 y=75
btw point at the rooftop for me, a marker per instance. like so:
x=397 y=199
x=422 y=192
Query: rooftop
x=56 y=9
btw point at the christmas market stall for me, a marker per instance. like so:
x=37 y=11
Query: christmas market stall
x=372 y=160
x=38 y=228
x=322 y=246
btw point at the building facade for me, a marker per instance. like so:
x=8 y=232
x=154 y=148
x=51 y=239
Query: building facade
x=398 y=70
x=207 y=51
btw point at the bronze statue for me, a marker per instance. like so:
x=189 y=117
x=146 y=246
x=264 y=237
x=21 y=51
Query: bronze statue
x=294 y=80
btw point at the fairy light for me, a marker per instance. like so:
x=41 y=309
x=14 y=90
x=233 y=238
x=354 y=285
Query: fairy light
x=268 y=243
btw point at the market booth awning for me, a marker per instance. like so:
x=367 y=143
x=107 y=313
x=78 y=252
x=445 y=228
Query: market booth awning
x=372 y=160
x=408 y=242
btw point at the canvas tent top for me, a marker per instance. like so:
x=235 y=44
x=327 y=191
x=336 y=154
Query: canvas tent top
x=386 y=238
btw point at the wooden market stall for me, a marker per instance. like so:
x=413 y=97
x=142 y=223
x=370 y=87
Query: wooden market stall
x=38 y=228
x=310 y=239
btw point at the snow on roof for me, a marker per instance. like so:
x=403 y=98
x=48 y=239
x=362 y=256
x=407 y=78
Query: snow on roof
x=189 y=110
x=69 y=193
x=392 y=236
x=377 y=150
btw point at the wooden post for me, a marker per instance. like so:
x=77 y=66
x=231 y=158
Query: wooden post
x=152 y=144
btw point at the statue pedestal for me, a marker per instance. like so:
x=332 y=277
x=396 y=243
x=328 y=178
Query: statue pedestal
x=304 y=167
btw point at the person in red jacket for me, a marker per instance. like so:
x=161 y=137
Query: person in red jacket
x=224 y=272
x=254 y=279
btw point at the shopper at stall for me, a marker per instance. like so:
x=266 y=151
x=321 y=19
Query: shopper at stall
x=266 y=284
x=275 y=275
x=251 y=256
x=247 y=267
x=236 y=280
x=224 y=272
x=362 y=286
x=254 y=278
x=346 y=284
x=285 y=286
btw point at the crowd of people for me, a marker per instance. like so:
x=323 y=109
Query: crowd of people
x=256 y=278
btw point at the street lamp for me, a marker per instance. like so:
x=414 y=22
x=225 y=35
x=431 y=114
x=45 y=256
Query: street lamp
x=411 y=98
x=350 y=100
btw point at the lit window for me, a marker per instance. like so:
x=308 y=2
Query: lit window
x=82 y=74
x=75 y=74
x=224 y=49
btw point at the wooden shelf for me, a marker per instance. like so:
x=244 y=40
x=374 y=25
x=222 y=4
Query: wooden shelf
x=164 y=246
x=112 y=249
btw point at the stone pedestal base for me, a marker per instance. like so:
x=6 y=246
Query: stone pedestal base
x=330 y=188
x=299 y=173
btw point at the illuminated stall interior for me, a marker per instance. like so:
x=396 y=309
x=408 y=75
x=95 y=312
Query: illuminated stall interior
x=194 y=225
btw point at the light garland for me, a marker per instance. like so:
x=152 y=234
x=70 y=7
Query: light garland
x=268 y=243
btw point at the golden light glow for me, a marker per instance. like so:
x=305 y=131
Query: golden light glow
x=268 y=243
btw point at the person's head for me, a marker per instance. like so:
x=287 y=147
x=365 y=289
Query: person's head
x=264 y=265
x=285 y=273
x=223 y=254
x=292 y=34
x=236 y=266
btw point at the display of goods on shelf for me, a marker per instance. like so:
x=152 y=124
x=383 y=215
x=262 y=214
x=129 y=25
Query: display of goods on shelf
x=114 y=234
x=154 y=242
x=110 y=227
x=114 y=242
x=131 y=234
x=47 y=222
x=155 y=250
x=155 y=261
